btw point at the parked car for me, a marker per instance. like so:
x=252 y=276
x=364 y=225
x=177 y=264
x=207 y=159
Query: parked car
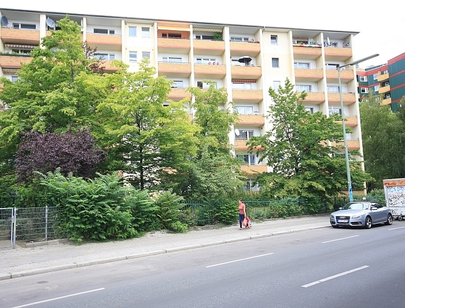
x=361 y=214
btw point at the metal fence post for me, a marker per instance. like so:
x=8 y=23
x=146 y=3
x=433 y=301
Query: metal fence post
x=13 y=228
x=46 y=223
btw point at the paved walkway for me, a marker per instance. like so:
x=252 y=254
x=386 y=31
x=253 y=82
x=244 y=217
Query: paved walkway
x=25 y=261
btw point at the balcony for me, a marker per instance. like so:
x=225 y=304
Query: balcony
x=338 y=54
x=246 y=72
x=108 y=66
x=104 y=41
x=350 y=121
x=239 y=49
x=19 y=36
x=314 y=98
x=247 y=96
x=384 y=89
x=353 y=144
x=172 y=45
x=383 y=77
x=254 y=120
x=240 y=145
x=209 y=71
x=385 y=102
x=253 y=169
x=177 y=94
x=179 y=70
x=307 y=52
x=13 y=62
x=348 y=98
x=208 y=47
x=308 y=74
x=346 y=75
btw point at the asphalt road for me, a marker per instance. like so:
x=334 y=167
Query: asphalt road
x=316 y=268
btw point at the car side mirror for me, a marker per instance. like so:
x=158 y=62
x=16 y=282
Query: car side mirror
x=340 y=208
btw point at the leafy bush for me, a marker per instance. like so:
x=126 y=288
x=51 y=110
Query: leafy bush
x=168 y=211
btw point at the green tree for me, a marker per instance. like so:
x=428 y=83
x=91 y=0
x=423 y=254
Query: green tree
x=144 y=136
x=300 y=147
x=383 y=133
x=213 y=173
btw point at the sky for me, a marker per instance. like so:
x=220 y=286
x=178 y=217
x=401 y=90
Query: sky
x=381 y=30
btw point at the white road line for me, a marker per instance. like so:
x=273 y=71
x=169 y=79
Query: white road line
x=340 y=239
x=224 y=263
x=335 y=276
x=57 y=298
x=395 y=228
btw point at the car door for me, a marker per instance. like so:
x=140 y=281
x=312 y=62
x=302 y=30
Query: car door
x=380 y=212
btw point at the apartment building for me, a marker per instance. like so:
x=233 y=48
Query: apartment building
x=245 y=60
x=387 y=80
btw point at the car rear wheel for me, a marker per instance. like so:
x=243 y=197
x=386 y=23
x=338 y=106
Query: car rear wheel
x=389 y=219
x=368 y=222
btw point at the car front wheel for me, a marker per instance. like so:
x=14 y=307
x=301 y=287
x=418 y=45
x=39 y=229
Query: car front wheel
x=368 y=222
x=389 y=219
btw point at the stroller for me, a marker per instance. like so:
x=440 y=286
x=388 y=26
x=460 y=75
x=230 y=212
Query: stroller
x=247 y=223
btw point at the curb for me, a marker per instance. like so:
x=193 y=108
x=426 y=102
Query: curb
x=37 y=271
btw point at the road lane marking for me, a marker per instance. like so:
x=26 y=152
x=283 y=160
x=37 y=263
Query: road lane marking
x=61 y=297
x=239 y=260
x=395 y=228
x=334 y=276
x=340 y=239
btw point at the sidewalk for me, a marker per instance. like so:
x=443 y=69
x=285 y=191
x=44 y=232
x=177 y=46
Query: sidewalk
x=25 y=261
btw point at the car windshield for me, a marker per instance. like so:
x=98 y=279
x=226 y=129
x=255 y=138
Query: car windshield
x=357 y=206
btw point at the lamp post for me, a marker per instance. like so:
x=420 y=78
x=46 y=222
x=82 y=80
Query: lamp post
x=347 y=157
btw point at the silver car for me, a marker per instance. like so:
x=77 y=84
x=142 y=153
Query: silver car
x=361 y=214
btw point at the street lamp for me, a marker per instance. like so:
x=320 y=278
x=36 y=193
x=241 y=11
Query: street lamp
x=347 y=157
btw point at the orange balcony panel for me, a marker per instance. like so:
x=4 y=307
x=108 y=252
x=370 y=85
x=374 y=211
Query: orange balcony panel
x=245 y=49
x=177 y=94
x=253 y=169
x=353 y=144
x=247 y=96
x=350 y=121
x=384 y=89
x=339 y=54
x=314 y=97
x=13 y=62
x=209 y=71
x=109 y=67
x=307 y=52
x=346 y=75
x=309 y=74
x=180 y=70
x=246 y=72
x=240 y=145
x=209 y=47
x=104 y=42
x=251 y=120
x=348 y=98
x=173 y=45
x=383 y=77
x=385 y=102
x=19 y=36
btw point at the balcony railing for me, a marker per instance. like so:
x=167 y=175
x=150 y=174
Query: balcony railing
x=20 y=36
x=250 y=49
x=180 y=70
x=8 y=61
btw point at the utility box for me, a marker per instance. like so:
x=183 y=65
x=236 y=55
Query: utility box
x=394 y=190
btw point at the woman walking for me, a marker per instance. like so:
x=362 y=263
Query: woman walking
x=242 y=213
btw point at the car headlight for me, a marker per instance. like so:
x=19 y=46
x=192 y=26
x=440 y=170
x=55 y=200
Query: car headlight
x=356 y=217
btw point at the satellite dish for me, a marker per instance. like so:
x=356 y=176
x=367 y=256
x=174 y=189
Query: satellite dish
x=51 y=23
x=236 y=132
x=4 y=21
x=245 y=59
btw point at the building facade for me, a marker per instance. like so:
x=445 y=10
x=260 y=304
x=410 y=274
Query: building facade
x=245 y=60
x=387 y=80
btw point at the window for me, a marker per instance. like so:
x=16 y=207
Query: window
x=363 y=78
x=239 y=39
x=274 y=39
x=303 y=87
x=245 y=109
x=17 y=25
x=132 y=31
x=145 y=32
x=309 y=109
x=364 y=90
x=104 y=56
x=132 y=56
x=171 y=35
x=206 y=61
x=333 y=89
x=243 y=134
x=302 y=65
x=335 y=110
x=376 y=88
x=332 y=66
x=275 y=62
x=146 y=55
x=14 y=78
x=177 y=84
x=375 y=76
x=248 y=159
x=171 y=59
x=103 y=31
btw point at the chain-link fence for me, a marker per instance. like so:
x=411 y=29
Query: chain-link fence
x=26 y=225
